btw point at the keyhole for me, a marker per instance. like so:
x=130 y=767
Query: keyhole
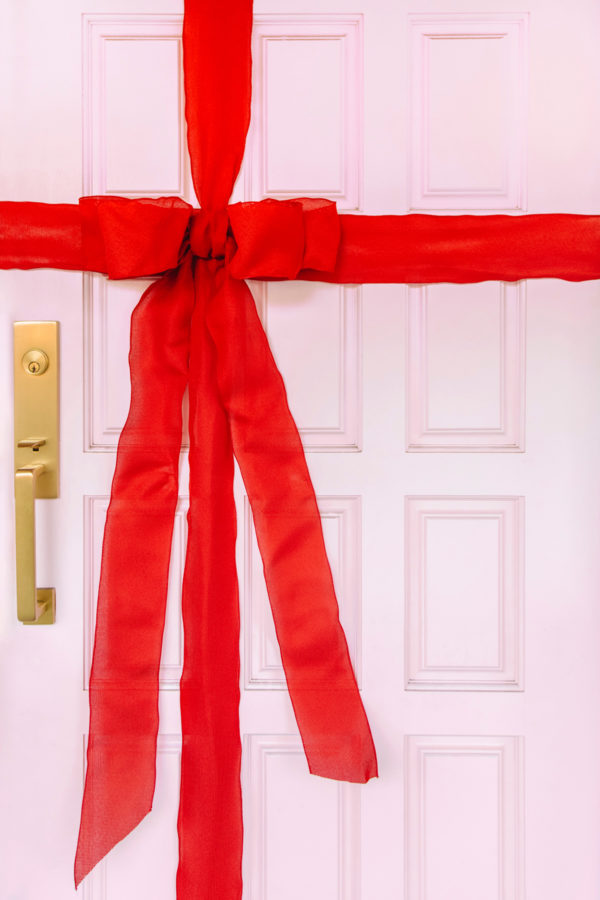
x=34 y=367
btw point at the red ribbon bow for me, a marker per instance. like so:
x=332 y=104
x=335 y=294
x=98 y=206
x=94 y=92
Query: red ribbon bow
x=197 y=325
x=269 y=239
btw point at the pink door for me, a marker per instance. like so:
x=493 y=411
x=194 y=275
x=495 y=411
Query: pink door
x=451 y=432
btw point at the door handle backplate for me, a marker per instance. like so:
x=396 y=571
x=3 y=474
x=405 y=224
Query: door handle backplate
x=36 y=372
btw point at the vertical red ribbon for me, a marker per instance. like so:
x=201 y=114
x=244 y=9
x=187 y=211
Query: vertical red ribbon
x=217 y=72
x=210 y=812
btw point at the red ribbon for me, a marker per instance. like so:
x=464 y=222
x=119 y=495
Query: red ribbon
x=130 y=238
x=198 y=310
x=197 y=325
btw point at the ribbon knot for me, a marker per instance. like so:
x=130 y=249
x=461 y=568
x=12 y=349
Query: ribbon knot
x=208 y=233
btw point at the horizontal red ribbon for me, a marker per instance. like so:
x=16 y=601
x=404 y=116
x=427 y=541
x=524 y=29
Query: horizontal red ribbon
x=301 y=238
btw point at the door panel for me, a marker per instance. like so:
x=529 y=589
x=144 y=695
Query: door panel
x=450 y=432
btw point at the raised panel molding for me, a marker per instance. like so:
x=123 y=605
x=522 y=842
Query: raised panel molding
x=342 y=431
x=464 y=817
x=97 y=884
x=464 y=593
x=342 y=800
x=105 y=353
x=344 y=185
x=504 y=426
x=107 y=308
x=171 y=664
x=468 y=111
x=103 y=37
x=262 y=662
x=344 y=32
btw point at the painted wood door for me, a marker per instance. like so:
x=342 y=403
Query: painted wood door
x=450 y=432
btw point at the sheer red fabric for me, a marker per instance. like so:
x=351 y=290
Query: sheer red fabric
x=133 y=582
x=237 y=404
x=275 y=239
x=197 y=325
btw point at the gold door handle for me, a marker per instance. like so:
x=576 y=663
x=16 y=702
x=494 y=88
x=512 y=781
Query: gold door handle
x=36 y=458
x=34 y=605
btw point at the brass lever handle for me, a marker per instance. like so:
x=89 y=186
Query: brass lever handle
x=36 y=371
x=34 y=605
x=34 y=443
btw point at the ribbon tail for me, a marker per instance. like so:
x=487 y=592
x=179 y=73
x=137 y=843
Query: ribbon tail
x=322 y=686
x=210 y=810
x=121 y=752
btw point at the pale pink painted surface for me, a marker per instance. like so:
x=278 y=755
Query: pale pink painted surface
x=452 y=435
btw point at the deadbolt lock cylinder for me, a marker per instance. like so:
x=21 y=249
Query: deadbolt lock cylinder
x=35 y=362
